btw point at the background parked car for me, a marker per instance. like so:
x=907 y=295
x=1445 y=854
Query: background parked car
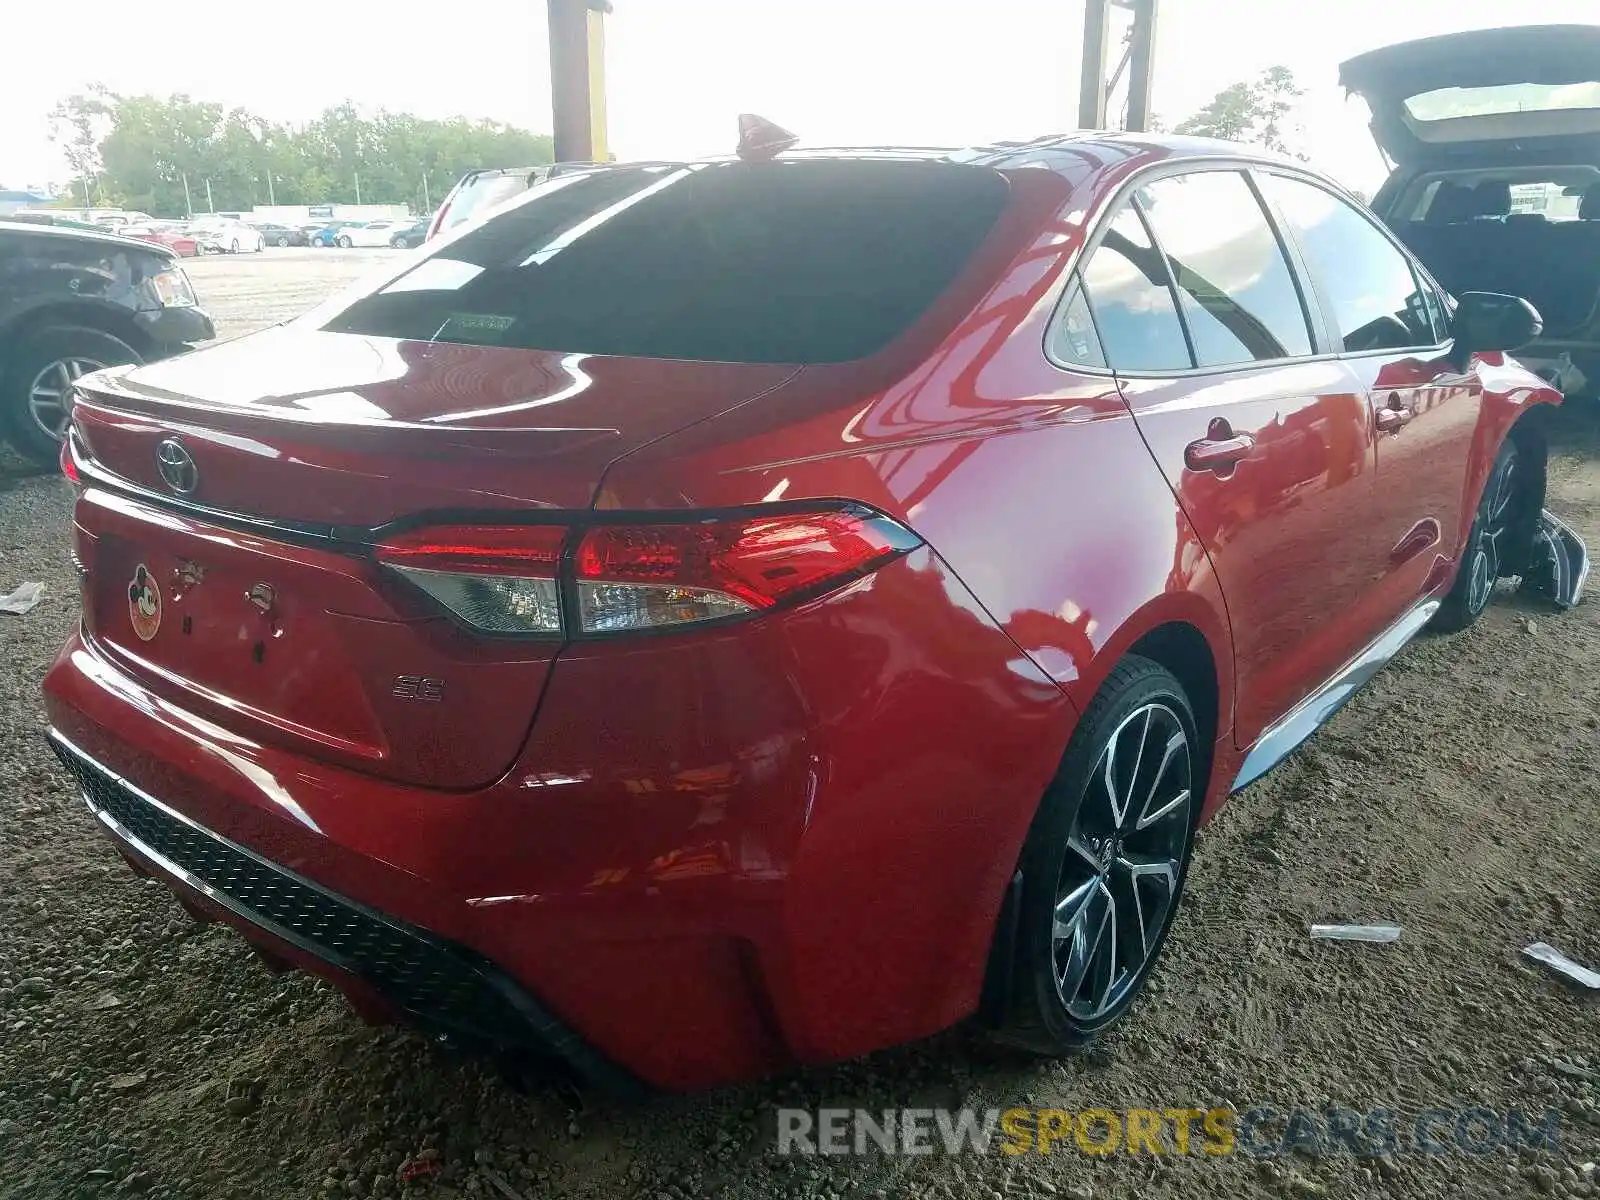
x=167 y=234
x=370 y=233
x=283 y=235
x=115 y=222
x=410 y=235
x=328 y=235
x=56 y=219
x=71 y=302
x=1495 y=137
x=222 y=235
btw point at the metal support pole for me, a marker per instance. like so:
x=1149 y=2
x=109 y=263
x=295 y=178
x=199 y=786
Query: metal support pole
x=1142 y=55
x=577 y=78
x=1092 y=78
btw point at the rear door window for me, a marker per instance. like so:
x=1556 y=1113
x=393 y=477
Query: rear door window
x=1235 y=287
x=1130 y=294
x=1376 y=301
x=802 y=262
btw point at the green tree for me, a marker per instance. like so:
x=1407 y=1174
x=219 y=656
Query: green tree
x=141 y=151
x=78 y=124
x=1255 y=111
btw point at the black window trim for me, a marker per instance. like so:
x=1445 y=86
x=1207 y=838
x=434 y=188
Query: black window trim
x=1314 y=303
x=1419 y=275
x=1075 y=288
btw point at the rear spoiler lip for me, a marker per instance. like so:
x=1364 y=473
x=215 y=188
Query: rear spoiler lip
x=112 y=396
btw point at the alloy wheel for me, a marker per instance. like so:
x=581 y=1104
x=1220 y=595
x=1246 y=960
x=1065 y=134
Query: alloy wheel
x=1125 y=854
x=50 y=394
x=1497 y=513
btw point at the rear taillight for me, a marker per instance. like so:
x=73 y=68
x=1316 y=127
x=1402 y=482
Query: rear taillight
x=437 y=224
x=497 y=578
x=69 y=463
x=523 y=579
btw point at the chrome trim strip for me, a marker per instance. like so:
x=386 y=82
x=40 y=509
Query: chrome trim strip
x=1314 y=711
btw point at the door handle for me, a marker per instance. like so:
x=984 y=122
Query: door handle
x=1394 y=416
x=1219 y=454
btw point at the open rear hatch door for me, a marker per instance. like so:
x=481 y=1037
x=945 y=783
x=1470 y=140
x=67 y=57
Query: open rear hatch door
x=230 y=504
x=1507 y=90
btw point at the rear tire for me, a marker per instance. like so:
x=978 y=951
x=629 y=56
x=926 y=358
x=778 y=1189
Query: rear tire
x=282 y=243
x=1487 y=548
x=45 y=364
x=1104 y=863
x=345 y=243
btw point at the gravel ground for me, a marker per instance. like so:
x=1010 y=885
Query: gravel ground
x=1457 y=796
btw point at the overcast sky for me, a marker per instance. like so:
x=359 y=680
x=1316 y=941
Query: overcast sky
x=835 y=71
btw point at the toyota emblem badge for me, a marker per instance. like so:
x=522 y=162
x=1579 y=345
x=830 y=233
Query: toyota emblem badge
x=177 y=467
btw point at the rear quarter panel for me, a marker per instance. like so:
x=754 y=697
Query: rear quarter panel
x=1031 y=483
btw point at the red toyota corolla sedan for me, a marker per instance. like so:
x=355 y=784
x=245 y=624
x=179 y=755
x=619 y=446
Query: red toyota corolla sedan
x=711 y=617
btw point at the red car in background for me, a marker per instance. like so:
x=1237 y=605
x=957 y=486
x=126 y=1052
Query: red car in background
x=171 y=236
x=711 y=617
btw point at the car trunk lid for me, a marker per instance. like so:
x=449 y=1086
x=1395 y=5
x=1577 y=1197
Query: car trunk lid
x=333 y=430
x=251 y=600
x=1507 y=89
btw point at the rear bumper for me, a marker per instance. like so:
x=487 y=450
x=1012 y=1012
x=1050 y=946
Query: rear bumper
x=438 y=986
x=716 y=857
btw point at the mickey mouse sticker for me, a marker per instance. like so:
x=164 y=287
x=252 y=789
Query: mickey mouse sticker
x=144 y=604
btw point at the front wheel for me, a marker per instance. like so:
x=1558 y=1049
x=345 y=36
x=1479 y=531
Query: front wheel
x=345 y=243
x=233 y=246
x=36 y=392
x=1104 y=863
x=281 y=243
x=1488 y=545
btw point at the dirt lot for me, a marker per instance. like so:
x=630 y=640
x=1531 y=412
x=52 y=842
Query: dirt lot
x=1457 y=796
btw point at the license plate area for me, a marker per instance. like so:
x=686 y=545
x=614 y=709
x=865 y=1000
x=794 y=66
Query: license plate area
x=235 y=623
x=302 y=645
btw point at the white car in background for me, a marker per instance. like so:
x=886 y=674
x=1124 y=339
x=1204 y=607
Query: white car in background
x=221 y=235
x=371 y=233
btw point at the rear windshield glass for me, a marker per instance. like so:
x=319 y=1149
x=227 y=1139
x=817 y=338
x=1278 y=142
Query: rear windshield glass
x=794 y=262
x=1445 y=103
x=479 y=193
x=1550 y=193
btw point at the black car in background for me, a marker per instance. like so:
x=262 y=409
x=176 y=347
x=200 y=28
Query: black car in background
x=283 y=235
x=1495 y=139
x=71 y=302
x=410 y=235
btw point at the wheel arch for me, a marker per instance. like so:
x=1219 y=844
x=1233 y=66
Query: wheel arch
x=1187 y=632
x=103 y=318
x=1174 y=640
x=1182 y=649
x=1530 y=434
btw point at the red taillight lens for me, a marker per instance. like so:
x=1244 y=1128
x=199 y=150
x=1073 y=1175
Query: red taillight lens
x=507 y=578
x=437 y=223
x=525 y=550
x=495 y=578
x=647 y=576
x=69 y=465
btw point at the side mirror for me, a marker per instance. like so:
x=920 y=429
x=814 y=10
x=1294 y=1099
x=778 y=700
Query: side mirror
x=1491 y=321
